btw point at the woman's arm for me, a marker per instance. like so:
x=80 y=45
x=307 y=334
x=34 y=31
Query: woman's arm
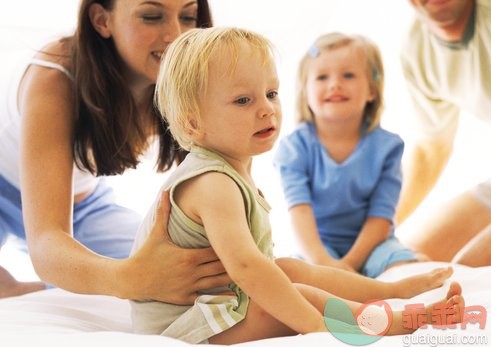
x=46 y=104
x=423 y=167
x=435 y=122
x=216 y=201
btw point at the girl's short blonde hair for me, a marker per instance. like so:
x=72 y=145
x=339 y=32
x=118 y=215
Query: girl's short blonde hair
x=374 y=70
x=183 y=76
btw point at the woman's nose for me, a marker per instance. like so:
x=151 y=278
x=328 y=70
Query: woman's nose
x=172 y=30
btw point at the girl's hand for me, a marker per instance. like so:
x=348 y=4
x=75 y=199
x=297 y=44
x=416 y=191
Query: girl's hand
x=346 y=266
x=162 y=271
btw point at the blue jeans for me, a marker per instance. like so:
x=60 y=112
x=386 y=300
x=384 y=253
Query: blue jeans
x=98 y=222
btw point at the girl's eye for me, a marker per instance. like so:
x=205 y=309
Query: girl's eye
x=272 y=94
x=242 y=101
x=349 y=75
x=322 y=77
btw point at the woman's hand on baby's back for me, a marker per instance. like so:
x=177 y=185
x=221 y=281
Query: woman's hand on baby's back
x=162 y=271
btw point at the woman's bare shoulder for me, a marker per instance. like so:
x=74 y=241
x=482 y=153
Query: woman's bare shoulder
x=41 y=83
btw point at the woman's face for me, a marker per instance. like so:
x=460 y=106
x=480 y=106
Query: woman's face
x=143 y=29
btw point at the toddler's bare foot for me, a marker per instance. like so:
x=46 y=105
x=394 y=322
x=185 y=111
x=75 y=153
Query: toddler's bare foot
x=417 y=284
x=446 y=312
x=9 y=286
x=449 y=310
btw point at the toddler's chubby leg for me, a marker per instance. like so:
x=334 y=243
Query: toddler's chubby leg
x=257 y=325
x=417 y=284
x=355 y=287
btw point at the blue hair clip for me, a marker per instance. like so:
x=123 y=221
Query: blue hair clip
x=313 y=52
x=376 y=74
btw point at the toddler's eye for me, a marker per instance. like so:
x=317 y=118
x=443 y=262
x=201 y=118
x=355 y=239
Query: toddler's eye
x=349 y=75
x=272 y=95
x=242 y=101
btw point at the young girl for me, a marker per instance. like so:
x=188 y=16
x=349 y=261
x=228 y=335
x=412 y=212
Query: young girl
x=218 y=89
x=339 y=170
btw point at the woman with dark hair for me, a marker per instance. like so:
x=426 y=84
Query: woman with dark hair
x=83 y=108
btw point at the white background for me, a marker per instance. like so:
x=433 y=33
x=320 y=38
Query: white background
x=292 y=26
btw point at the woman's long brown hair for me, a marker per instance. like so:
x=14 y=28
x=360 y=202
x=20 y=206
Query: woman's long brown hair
x=109 y=136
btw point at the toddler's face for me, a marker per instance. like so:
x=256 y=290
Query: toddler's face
x=240 y=110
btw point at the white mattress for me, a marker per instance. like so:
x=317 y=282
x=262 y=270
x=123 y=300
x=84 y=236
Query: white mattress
x=58 y=318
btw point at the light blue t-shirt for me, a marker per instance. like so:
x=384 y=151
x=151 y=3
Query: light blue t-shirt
x=366 y=184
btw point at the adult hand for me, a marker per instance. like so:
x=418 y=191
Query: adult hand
x=9 y=286
x=162 y=271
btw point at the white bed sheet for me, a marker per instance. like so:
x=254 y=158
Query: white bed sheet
x=58 y=318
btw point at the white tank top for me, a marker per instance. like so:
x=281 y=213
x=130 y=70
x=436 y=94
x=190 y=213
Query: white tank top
x=10 y=123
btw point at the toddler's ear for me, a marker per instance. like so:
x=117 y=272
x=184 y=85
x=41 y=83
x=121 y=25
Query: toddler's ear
x=194 y=130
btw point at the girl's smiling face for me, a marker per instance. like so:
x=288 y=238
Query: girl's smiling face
x=337 y=84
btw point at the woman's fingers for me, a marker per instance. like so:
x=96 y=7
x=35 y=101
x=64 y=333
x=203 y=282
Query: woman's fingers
x=159 y=228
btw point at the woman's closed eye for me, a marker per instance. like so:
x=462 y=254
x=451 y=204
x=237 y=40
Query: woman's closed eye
x=152 y=18
x=189 y=19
